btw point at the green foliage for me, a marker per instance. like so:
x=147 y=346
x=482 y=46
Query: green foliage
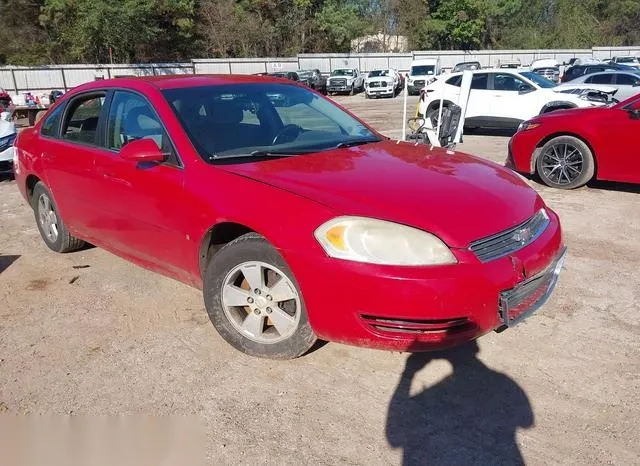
x=61 y=31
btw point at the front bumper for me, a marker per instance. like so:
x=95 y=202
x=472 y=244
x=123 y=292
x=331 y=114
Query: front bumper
x=424 y=308
x=331 y=88
x=523 y=148
x=6 y=160
x=379 y=91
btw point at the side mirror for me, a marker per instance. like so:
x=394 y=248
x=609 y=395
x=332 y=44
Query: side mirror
x=636 y=84
x=524 y=89
x=141 y=151
x=634 y=114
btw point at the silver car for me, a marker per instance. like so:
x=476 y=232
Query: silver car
x=627 y=82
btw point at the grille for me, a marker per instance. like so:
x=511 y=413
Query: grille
x=375 y=84
x=419 y=326
x=419 y=83
x=508 y=241
x=338 y=82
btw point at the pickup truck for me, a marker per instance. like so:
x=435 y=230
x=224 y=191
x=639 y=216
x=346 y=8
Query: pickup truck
x=347 y=80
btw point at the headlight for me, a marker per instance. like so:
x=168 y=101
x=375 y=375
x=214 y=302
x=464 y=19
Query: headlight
x=374 y=241
x=527 y=125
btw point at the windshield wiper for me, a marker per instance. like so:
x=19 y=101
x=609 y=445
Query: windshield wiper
x=359 y=142
x=255 y=153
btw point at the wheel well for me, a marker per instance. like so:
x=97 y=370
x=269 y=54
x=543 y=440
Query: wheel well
x=555 y=135
x=217 y=236
x=551 y=106
x=436 y=104
x=32 y=180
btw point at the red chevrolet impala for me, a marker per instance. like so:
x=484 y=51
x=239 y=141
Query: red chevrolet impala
x=568 y=148
x=296 y=219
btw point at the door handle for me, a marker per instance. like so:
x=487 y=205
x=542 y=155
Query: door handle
x=108 y=176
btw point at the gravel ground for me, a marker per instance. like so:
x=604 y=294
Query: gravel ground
x=88 y=333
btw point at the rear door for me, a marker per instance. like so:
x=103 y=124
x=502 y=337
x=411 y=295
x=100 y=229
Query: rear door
x=70 y=141
x=480 y=100
x=628 y=85
x=142 y=208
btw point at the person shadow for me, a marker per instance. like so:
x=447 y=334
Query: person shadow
x=469 y=417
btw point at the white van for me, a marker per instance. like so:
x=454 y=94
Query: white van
x=422 y=71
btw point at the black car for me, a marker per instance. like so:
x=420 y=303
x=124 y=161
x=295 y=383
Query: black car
x=580 y=70
x=293 y=76
x=313 y=79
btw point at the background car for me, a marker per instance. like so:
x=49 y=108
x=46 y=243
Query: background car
x=500 y=98
x=5 y=98
x=467 y=65
x=290 y=75
x=7 y=137
x=580 y=70
x=627 y=60
x=422 y=72
x=348 y=80
x=198 y=177
x=55 y=95
x=627 y=83
x=382 y=83
x=313 y=79
x=569 y=148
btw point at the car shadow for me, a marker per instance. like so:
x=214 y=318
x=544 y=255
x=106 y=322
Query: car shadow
x=594 y=184
x=6 y=261
x=504 y=132
x=469 y=417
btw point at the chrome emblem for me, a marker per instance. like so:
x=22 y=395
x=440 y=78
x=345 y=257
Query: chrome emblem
x=522 y=236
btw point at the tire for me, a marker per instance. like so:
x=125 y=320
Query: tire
x=226 y=285
x=52 y=229
x=565 y=162
x=353 y=90
x=367 y=96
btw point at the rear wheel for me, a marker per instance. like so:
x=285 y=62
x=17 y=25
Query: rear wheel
x=52 y=229
x=565 y=162
x=254 y=301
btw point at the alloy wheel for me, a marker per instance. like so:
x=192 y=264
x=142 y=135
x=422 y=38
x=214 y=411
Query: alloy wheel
x=48 y=218
x=261 y=302
x=562 y=163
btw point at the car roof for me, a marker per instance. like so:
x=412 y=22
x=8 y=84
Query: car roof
x=180 y=81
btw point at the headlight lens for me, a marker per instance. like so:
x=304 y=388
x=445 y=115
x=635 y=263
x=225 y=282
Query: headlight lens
x=375 y=241
x=527 y=125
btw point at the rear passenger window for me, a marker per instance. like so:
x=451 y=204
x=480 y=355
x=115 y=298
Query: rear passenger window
x=81 y=123
x=52 y=123
x=600 y=79
x=455 y=81
x=479 y=81
x=626 y=79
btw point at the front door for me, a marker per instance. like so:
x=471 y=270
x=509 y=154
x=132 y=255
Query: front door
x=620 y=160
x=142 y=206
x=514 y=100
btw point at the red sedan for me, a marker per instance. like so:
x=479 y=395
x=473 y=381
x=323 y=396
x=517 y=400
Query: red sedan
x=568 y=148
x=296 y=219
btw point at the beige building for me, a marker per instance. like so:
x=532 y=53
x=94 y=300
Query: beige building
x=380 y=43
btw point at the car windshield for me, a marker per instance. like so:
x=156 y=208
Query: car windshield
x=342 y=73
x=423 y=70
x=627 y=60
x=539 y=80
x=377 y=73
x=262 y=119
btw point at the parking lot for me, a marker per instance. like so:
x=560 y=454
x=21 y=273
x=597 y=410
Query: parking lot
x=89 y=333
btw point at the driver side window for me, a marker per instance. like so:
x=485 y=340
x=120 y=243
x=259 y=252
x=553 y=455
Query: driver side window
x=508 y=82
x=131 y=117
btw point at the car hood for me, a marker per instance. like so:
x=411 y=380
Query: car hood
x=582 y=86
x=458 y=197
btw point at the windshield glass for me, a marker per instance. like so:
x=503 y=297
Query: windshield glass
x=342 y=73
x=539 y=80
x=627 y=60
x=423 y=70
x=238 y=119
x=377 y=73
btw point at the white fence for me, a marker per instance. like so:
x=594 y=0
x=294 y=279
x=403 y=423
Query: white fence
x=42 y=79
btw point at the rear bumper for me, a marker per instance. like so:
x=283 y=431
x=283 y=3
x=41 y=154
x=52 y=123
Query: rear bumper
x=424 y=308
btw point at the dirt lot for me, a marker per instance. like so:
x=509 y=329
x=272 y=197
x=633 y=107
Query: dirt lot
x=562 y=388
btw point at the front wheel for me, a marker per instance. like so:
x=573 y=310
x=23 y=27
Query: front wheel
x=565 y=162
x=352 y=90
x=52 y=229
x=254 y=301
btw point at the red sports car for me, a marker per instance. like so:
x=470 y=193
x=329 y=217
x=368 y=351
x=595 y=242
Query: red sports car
x=568 y=148
x=296 y=219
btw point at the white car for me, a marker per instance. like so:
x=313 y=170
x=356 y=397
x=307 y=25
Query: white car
x=345 y=80
x=502 y=98
x=7 y=137
x=627 y=60
x=423 y=71
x=626 y=82
x=382 y=83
